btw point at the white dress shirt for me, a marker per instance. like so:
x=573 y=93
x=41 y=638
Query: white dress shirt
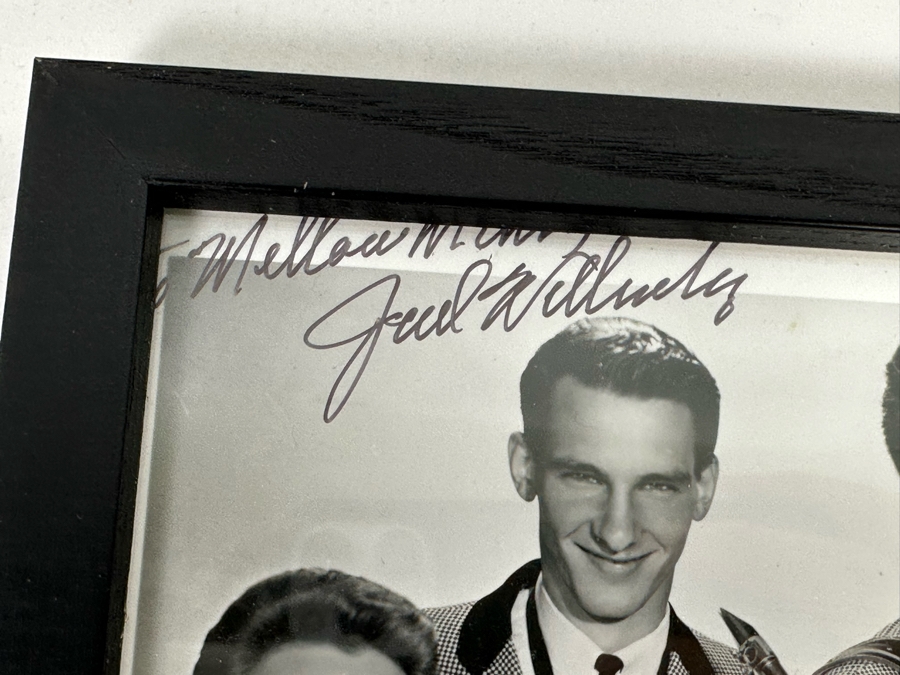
x=572 y=652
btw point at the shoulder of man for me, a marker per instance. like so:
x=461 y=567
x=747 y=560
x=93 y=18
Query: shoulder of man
x=868 y=666
x=723 y=659
x=890 y=631
x=448 y=625
x=484 y=628
x=692 y=653
x=448 y=622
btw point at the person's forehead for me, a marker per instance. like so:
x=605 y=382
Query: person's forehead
x=300 y=658
x=591 y=423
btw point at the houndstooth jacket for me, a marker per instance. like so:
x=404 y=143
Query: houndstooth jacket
x=475 y=638
x=867 y=666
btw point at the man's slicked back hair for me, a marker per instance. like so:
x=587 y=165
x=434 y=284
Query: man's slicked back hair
x=627 y=358
x=318 y=606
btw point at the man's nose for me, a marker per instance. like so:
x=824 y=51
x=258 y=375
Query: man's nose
x=614 y=528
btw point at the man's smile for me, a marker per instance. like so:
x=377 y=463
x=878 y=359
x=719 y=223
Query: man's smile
x=616 y=563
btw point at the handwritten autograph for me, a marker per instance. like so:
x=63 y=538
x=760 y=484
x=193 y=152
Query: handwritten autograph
x=513 y=296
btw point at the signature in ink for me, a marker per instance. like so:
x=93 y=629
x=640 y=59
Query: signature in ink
x=513 y=297
x=507 y=300
x=224 y=252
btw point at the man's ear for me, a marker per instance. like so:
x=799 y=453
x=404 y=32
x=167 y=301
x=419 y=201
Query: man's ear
x=521 y=466
x=706 y=488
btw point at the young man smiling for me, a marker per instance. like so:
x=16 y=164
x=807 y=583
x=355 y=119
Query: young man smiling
x=620 y=425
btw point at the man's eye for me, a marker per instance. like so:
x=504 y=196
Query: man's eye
x=581 y=477
x=661 y=487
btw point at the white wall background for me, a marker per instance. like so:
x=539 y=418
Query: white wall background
x=818 y=53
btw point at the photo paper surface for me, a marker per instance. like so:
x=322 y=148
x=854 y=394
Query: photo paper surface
x=341 y=394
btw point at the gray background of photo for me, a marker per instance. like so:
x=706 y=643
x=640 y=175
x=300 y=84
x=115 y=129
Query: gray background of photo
x=409 y=485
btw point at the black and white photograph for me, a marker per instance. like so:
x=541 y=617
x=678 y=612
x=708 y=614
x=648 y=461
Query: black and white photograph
x=357 y=337
x=519 y=448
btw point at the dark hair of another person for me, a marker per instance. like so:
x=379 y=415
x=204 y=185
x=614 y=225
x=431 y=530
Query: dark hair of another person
x=627 y=358
x=890 y=422
x=318 y=606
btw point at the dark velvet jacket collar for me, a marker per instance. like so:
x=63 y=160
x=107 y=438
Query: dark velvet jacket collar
x=487 y=628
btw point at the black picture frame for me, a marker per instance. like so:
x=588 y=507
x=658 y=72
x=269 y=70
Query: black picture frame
x=109 y=146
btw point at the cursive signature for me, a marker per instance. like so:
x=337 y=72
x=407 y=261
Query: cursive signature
x=580 y=283
x=513 y=297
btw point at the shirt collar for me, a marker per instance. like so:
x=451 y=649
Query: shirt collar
x=573 y=653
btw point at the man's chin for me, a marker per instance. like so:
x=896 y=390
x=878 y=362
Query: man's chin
x=609 y=620
x=612 y=607
x=612 y=614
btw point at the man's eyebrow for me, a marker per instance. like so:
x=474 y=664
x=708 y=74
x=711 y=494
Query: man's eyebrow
x=679 y=477
x=569 y=464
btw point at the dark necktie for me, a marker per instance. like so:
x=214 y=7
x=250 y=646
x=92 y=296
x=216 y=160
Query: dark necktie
x=607 y=664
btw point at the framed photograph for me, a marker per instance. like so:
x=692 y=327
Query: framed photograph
x=261 y=322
